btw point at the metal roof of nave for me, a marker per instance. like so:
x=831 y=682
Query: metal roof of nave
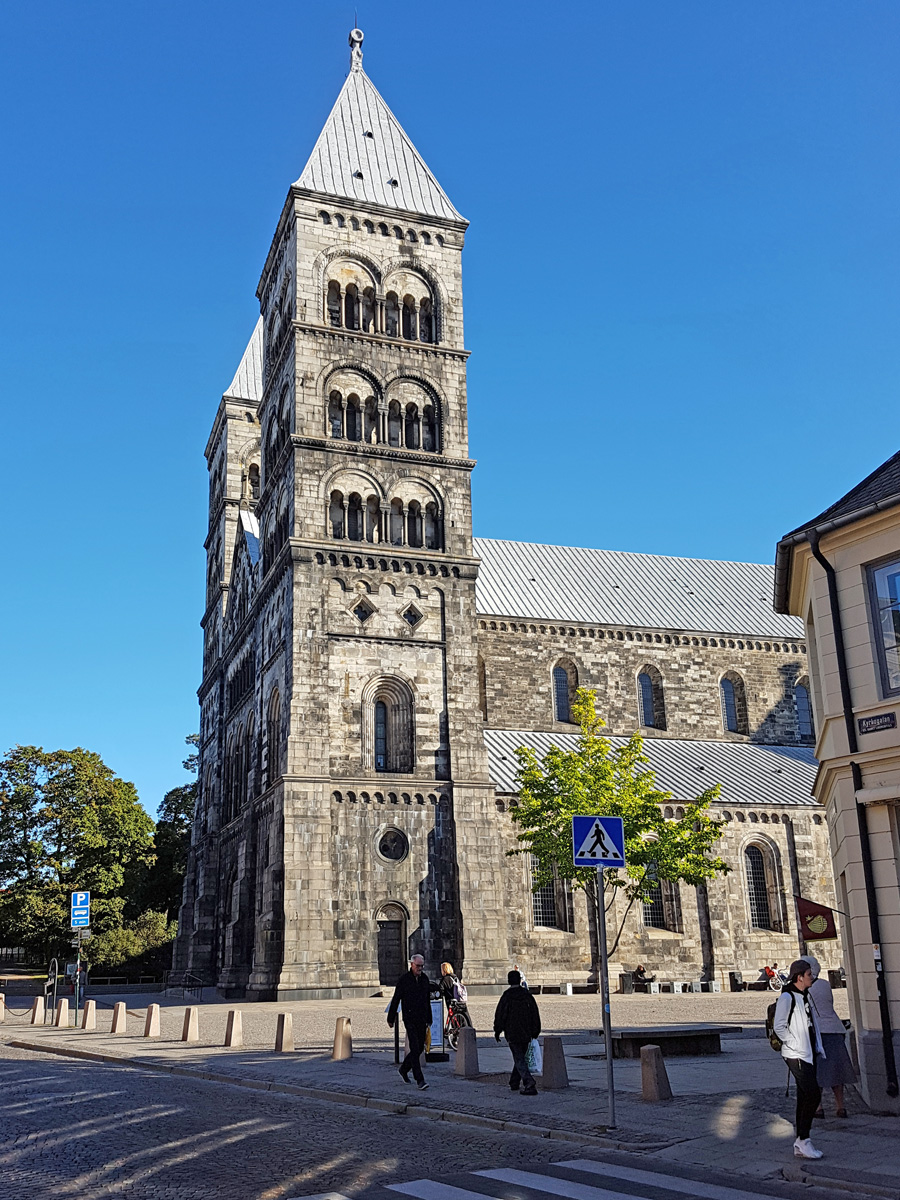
x=748 y=773
x=364 y=154
x=618 y=587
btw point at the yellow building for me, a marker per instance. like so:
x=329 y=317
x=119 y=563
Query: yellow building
x=840 y=572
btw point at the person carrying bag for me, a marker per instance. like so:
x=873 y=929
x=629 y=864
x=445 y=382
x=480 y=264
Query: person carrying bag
x=795 y=1026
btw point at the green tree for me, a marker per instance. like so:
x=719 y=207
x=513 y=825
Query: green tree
x=146 y=939
x=593 y=778
x=161 y=883
x=67 y=823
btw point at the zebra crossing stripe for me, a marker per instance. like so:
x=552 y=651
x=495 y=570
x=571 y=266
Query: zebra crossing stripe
x=687 y=1187
x=427 y=1189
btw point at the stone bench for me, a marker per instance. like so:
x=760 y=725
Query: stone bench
x=673 y=1040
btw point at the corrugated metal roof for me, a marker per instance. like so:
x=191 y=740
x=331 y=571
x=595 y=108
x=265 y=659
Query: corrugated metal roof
x=748 y=774
x=616 y=587
x=364 y=154
x=247 y=383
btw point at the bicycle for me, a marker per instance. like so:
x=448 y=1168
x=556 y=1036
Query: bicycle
x=457 y=1018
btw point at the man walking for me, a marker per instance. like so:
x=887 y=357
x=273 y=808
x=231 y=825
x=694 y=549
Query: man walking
x=413 y=996
x=517 y=1016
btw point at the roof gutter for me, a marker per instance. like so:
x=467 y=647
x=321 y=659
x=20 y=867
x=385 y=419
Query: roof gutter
x=887 y=1038
x=784 y=556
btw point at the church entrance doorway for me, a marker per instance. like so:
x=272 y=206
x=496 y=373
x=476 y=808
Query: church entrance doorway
x=392 y=960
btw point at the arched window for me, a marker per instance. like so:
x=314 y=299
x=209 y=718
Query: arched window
x=351 y=307
x=390 y=727
x=551 y=903
x=410 y=319
x=370 y=421
x=651 y=698
x=805 y=726
x=397 y=522
x=333 y=303
x=373 y=519
x=273 y=738
x=764 y=889
x=336 y=415
x=482 y=688
x=734 y=703
x=429 y=428
x=663 y=909
x=411 y=427
x=426 y=320
x=565 y=685
x=394 y=424
x=253 y=476
x=432 y=527
x=414 y=523
x=354 y=419
x=368 y=310
x=391 y=314
x=355 y=518
x=336 y=514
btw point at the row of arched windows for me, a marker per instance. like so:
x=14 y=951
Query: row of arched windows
x=243 y=777
x=375 y=422
x=380 y=227
x=276 y=531
x=393 y=315
x=394 y=522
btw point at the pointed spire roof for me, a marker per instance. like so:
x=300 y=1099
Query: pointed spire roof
x=247 y=382
x=364 y=154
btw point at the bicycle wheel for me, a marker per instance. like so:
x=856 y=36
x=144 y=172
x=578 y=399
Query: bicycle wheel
x=453 y=1034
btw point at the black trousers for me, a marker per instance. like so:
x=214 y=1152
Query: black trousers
x=808 y=1093
x=416 y=1035
x=520 y=1072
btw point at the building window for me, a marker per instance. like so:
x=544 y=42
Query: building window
x=380 y=735
x=551 y=903
x=651 y=699
x=805 y=727
x=663 y=909
x=390 y=727
x=734 y=703
x=884 y=587
x=565 y=685
x=762 y=889
x=273 y=761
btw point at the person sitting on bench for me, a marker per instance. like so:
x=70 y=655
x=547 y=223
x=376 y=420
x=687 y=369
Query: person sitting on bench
x=639 y=975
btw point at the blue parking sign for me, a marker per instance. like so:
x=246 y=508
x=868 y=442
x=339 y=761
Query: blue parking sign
x=598 y=841
x=81 y=910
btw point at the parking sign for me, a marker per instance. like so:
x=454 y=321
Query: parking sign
x=81 y=910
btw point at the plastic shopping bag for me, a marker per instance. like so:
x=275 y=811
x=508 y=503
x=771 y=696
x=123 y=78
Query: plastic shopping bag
x=534 y=1056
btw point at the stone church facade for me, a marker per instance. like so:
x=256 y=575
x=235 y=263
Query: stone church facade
x=369 y=666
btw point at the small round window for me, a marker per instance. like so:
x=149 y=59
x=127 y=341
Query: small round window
x=393 y=845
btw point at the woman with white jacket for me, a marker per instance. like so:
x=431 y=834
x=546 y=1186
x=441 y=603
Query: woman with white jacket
x=796 y=1026
x=835 y=1069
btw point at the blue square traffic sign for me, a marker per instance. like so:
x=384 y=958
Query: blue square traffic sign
x=598 y=841
x=81 y=910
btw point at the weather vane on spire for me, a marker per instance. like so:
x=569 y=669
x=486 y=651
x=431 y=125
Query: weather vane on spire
x=356 y=41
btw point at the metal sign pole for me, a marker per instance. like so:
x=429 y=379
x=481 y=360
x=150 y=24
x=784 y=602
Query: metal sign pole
x=604 y=993
x=77 y=976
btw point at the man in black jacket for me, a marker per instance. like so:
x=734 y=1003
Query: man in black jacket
x=413 y=995
x=517 y=1016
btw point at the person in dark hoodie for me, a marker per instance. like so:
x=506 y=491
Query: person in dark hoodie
x=517 y=1016
x=413 y=996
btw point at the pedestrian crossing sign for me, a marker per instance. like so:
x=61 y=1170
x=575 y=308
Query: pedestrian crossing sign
x=598 y=841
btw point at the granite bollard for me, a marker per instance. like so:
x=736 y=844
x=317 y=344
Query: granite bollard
x=466 y=1063
x=190 y=1030
x=343 y=1040
x=2 y=1008
x=655 y=1084
x=234 y=1028
x=151 y=1022
x=284 y=1033
x=89 y=1016
x=37 y=1011
x=62 y=1014
x=555 y=1075
x=120 y=1018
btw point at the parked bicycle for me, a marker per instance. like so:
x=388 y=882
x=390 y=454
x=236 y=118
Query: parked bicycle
x=456 y=997
x=457 y=1018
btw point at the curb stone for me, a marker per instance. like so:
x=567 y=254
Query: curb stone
x=353 y=1099
x=794 y=1173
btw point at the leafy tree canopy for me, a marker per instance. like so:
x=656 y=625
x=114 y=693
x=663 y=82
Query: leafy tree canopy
x=593 y=778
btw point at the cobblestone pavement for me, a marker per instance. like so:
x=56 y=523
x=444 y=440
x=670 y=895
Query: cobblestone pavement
x=75 y=1129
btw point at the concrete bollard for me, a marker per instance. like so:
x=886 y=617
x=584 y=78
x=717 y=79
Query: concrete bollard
x=284 y=1033
x=234 y=1028
x=62 y=1014
x=37 y=1011
x=654 y=1079
x=467 y=1054
x=343 y=1040
x=2 y=1008
x=555 y=1076
x=190 y=1030
x=120 y=1018
x=151 y=1022
x=89 y=1016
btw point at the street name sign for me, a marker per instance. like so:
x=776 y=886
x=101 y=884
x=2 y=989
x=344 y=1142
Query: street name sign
x=81 y=910
x=598 y=841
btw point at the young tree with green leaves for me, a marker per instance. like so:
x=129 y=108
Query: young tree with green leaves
x=595 y=779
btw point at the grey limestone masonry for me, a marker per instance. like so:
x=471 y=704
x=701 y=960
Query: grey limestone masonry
x=346 y=815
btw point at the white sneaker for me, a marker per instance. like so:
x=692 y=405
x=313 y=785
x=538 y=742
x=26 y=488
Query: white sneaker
x=803 y=1148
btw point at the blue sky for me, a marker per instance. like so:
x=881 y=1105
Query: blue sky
x=680 y=284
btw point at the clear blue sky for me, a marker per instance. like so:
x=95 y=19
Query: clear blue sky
x=681 y=286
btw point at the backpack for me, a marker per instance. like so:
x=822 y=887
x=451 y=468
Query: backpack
x=774 y=1040
x=460 y=992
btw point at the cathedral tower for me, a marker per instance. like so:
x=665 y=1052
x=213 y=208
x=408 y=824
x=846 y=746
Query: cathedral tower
x=345 y=800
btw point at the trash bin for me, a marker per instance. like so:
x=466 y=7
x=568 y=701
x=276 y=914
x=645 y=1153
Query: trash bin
x=736 y=981
x=626 y=983
x=565 y=989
